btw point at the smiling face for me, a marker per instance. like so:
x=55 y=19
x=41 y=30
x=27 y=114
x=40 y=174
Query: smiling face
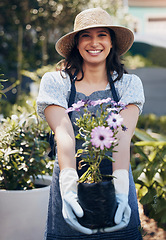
x=94 y=45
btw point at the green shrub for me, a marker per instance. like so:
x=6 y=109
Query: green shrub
x=136 y=61
x=149 y=164
x=150 y=121
x=23 y=150
x=141 y=48
x=154 y=54
x=38 y=73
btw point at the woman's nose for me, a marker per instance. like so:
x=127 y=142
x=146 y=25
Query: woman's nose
x=94 y=41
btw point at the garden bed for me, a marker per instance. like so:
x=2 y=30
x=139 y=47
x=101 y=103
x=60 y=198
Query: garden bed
x=153 y=232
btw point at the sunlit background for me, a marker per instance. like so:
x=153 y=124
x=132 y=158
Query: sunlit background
x=29 y=30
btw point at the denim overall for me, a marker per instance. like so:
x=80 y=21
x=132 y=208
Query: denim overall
x=56 y=227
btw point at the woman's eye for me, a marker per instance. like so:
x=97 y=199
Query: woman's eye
x=85 y=35
x=102 y=35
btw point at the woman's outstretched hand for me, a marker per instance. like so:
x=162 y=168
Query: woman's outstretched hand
x=123 y=212
x=70 y=207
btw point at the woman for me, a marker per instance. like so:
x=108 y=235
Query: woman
x=91 y=54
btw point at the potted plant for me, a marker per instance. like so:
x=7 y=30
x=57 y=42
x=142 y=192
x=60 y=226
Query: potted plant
x=98 y=132
x=23 y=168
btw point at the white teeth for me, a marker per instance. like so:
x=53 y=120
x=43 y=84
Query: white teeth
x=94 y=51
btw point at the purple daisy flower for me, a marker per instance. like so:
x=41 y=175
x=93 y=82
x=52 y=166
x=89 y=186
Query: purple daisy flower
x=70 y=109
x=112 y=109
x=121 y=105
x=114 y=120
x=102 y=137
x=76 y=106
x=100 y=101
x=94 y=103
x=106 y=100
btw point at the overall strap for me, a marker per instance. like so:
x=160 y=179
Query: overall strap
x=73 y=89
x=72 y=92
x=113 y=90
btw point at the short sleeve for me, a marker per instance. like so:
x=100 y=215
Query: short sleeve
x=131 y=91
x=53 y=90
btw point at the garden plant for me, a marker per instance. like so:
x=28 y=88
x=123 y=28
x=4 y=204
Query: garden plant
x=149 y=164
x=23 y=150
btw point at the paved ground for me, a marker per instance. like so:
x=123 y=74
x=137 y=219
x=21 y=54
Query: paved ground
x=154 y=82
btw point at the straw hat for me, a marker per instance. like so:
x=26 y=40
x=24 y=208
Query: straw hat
x=92 y=18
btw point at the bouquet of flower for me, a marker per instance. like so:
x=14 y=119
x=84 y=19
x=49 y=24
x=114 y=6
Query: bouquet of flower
x=98 y=130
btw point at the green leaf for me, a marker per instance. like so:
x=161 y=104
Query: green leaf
x=85 y=176
x=159 y=205
x=145 y=179
x=141 y=152
x=152 y=156
x=85 y=144
x=142 y=135
x=137 y=172
x=10 y=152
x=149 y=196
x=150 y=143
x=80 y=151
x=158 y=178
x=163 y=217
x=110 y=158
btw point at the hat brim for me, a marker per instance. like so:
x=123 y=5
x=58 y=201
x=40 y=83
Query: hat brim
x=124 y=40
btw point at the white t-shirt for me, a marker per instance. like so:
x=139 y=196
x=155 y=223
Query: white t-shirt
x=55 y=88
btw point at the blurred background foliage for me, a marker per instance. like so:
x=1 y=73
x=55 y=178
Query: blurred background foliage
x=148 y=162
x=29 y=30
x=24 y=148
x=150 y=55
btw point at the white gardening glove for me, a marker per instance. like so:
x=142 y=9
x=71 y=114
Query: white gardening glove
x=123 y=212
x=70 y=206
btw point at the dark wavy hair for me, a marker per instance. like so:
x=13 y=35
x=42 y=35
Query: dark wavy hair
x=74 y=60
